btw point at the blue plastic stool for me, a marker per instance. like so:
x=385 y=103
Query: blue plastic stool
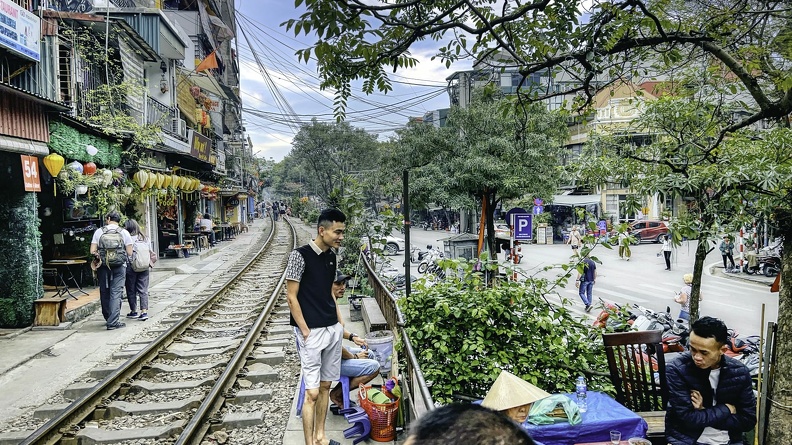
x=344 y=381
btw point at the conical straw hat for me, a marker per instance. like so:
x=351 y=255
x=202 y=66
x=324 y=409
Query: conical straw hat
x=510 y=391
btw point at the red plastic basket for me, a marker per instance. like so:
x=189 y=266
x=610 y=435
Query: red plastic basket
x=381 y=415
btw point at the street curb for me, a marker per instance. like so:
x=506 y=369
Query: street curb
x=717 y=271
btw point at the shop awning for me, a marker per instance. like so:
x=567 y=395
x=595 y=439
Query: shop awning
x=575 y=200
x=208 y=83
x=23 y=146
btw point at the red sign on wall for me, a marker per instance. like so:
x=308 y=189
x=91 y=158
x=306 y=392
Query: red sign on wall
x=30 y=173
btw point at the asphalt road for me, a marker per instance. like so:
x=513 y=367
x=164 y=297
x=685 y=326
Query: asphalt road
x=643 y=280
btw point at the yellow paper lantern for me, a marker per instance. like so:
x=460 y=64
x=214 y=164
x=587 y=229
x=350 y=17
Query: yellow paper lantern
x=196 y=184
x=191 y=185
x=141 y=178
x=152 y=179
x=174 y=181
x=54 y=163
x=183 y=182
x=167 y=181
x=160 y=180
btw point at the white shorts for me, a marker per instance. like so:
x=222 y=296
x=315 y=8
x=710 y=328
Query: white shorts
x=320 y=354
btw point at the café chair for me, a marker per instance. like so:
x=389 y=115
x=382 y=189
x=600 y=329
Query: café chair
x=53 y=282
x=637 y=371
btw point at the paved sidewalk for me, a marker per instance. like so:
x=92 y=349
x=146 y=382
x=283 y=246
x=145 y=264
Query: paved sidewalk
x=38 y=364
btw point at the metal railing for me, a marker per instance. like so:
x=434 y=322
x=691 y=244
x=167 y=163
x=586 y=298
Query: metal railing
x=415 y=391
x=160 y=114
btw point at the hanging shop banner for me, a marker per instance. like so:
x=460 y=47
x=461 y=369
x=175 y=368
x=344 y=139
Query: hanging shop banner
x=20 y=30
x=200 y=146
x=30 y=173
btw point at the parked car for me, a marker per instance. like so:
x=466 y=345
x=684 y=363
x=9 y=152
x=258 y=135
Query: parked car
x=649 y=230
x=393 y=245
x=502 y=231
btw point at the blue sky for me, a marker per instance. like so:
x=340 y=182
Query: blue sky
x=415 y=92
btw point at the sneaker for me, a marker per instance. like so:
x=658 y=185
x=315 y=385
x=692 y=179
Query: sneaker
x=132 y=315
x=116 y=326
x=588 y=308
x=143 y=316
x=628 y=258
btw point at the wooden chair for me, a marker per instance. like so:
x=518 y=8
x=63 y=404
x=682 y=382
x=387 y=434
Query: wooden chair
x=633 y=360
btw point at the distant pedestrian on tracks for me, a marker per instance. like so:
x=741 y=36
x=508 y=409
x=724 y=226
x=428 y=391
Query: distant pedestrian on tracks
x=112 y=245
x=310 y=273
x=666 y=251
x=275 y=210
x=727 y=251
x=575 y=240
x=585 y=282
x=137 y=282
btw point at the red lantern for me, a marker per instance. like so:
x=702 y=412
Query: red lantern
x=89 y=168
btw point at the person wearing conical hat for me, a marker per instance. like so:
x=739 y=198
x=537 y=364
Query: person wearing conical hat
x=512 y=396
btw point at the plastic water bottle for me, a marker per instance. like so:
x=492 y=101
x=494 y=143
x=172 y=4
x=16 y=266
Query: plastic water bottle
x=580 y=392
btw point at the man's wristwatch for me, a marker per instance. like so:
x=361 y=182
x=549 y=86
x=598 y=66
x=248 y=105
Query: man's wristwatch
x=351 y=336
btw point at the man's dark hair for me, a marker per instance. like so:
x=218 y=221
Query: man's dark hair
x=709 y=327
x=329 y=216
x=207 y=216
x=114 y=216
x=464 y=423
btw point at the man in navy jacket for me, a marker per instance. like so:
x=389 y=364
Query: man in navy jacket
x=710 y=397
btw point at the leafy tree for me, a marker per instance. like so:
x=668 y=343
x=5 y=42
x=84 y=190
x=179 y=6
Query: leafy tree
x=326 y=151
x=489 y=151
x=748 y=166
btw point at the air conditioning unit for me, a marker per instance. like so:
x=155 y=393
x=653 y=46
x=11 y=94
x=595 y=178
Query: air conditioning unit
x=179 y=127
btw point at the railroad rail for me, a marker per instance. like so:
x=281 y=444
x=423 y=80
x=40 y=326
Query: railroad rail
x=200 y=359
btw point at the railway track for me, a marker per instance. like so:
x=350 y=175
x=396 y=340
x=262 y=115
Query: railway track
x=222 y=369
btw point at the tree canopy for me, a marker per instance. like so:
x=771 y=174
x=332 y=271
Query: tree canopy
x=489 y=151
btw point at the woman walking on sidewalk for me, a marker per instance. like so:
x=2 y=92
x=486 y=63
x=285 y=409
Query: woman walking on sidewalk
x=137 y=283
x=666 y=250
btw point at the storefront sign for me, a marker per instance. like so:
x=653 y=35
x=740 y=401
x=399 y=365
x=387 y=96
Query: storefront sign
x=30 y=173
x=20 y=30
x=232 y=202
x=200 y=146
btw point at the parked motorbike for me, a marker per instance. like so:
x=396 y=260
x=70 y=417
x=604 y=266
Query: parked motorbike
x=766 y=261
x=433 y=255
x=417 y=255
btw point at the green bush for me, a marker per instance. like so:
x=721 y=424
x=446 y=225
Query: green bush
x=466 y=332
x=20 y=251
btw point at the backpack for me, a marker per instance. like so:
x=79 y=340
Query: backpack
x=112 y=251
x=141 y=256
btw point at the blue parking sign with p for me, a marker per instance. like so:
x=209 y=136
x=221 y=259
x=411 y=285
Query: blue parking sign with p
x=523 y=227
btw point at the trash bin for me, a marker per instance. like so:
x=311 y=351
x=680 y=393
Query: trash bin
x=355 y=303
x=381 y=342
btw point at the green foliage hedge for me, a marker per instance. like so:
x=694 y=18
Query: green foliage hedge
x=465 y=333
x=70 y=143
x=20 y=251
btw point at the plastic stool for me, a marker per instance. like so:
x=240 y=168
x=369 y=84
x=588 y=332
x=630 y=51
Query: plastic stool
x=343 y=380
x=361 y=427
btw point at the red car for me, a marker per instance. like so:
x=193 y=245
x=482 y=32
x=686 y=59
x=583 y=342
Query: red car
x=649 y=230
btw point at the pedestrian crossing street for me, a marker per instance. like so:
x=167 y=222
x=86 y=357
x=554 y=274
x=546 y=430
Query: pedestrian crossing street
x=733 y=301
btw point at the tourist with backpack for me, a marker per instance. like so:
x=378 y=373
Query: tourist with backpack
x=137 y=273
x=111 y=245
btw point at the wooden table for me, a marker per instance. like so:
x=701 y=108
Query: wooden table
x=64 y=266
